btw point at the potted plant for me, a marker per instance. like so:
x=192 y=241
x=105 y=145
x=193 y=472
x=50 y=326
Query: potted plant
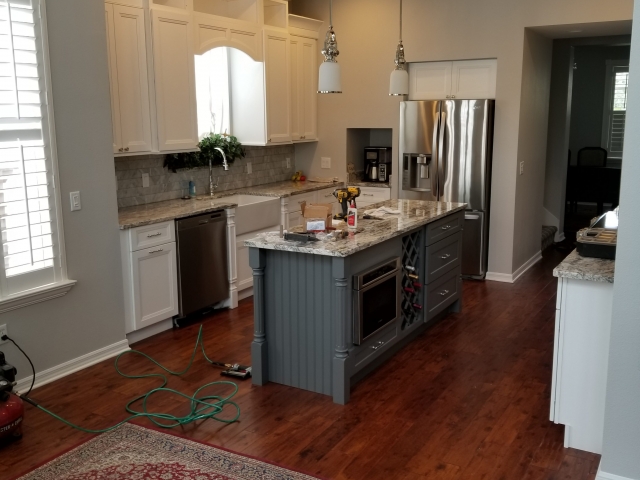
x=188 y=160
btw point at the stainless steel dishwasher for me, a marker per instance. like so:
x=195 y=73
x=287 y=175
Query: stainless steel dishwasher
x=203 y=278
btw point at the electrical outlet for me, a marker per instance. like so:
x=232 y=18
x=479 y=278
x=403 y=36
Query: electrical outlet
x=75 y=201
x=249 y=167
x=3 y=332
x=145 y=180
x=521 y=168
x=325 y=162
x=288 y=162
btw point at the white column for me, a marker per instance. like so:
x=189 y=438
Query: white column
x=284 y=212
x=231 y=255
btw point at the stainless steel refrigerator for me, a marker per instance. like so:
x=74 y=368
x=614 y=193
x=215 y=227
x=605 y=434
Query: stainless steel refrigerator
x=445 y=155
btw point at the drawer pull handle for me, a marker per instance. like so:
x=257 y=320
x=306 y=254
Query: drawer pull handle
x=156 y=251
x=151 y=235
x=443 y=293
x=328 y=195
x=446 y=227
x=376 y=347
x=121 y=149
x=445 y=256
x=367 y=194
x=126 y=149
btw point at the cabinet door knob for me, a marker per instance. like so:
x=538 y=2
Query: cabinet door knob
x=445 y=256
x=269 y=140
x=453 y=96
x=126 y=149
x=448 y=96
x=121 y=149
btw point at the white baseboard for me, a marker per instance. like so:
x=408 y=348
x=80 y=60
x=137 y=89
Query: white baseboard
x=246 y=293
x=150 y=331
x=72 y=366
x=526 y=266
x=511 y=278
x=609 y=476
x=499 y=277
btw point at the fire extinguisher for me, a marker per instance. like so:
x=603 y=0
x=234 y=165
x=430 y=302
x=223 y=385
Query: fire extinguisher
x=11 y=406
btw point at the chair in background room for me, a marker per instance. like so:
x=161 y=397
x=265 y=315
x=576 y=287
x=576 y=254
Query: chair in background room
x=592 y=157
x=590 y=179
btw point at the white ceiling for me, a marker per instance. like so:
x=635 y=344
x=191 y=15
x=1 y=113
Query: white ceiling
x=585 y=29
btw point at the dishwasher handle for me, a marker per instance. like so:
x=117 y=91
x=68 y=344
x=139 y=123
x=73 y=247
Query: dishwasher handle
x=200 y=220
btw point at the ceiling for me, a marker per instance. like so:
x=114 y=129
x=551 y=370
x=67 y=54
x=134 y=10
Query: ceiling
x=578 y=30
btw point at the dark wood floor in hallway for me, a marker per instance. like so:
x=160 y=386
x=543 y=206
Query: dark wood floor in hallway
x=469 y=399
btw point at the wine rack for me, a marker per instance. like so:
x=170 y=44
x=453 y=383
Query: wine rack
x=412 y=297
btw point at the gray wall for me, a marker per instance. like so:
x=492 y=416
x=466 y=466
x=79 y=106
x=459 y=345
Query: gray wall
x=91 y=315
x=622 y=416
x=588 y=94
x=449 y=30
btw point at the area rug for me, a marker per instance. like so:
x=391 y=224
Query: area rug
x=133 y=452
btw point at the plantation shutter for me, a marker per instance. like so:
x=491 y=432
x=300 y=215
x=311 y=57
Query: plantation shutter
x=618 y=110
x=27 y=199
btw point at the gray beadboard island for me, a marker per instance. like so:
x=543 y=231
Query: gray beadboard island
x=309 y=330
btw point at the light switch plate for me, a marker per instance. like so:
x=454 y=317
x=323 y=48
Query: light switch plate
x=249 y=167
x=3 y=331
x=288 y=162
x=145 y=180
x=521 y=168
x=325 y=162
x=75 y=201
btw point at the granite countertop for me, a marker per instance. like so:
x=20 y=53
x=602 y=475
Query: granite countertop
x=139 y=215
x=370 y=184
x=415 y=214
x=583 y=268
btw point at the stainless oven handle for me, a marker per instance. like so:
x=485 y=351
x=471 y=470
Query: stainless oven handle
x=379 y=280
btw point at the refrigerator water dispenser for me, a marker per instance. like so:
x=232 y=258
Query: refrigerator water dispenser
x=416 y=173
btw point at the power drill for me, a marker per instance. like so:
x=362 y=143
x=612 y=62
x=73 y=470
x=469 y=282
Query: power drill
x=345 y=196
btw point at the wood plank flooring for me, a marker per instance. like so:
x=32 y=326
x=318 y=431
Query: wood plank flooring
x=469 y=399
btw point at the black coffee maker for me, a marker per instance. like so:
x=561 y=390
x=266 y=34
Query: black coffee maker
x=377 y=164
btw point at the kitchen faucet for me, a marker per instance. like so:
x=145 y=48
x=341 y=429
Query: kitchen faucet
x=224 y=164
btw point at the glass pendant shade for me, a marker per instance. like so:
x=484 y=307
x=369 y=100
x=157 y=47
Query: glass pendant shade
x=399 y=84
x=329 y=79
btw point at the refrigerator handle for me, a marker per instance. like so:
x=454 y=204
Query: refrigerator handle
x=443 y=122
x=433 y=167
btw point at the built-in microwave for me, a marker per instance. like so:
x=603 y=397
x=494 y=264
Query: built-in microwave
x=376 y=299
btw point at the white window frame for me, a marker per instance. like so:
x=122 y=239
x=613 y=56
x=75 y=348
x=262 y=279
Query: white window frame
x=61 y=284
x=607 y=110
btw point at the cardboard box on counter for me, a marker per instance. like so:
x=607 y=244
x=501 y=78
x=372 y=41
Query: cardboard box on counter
x=316 y=212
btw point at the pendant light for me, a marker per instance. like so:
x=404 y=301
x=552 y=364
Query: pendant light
x=329 y=76
x=399 y=83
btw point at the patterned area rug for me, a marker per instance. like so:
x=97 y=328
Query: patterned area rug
x=135 y=453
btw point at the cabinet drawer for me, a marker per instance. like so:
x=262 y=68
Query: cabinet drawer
x=151 y=235
x=444 y=227
x=375 y=345
x=442 y=256
x=295 y=201
x=325 y=196
x=371 y=195
x=443 y=292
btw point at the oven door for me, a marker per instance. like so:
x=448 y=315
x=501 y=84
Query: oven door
x=376 y=306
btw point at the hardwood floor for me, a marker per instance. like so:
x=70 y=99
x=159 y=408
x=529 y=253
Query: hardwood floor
x=469 y=399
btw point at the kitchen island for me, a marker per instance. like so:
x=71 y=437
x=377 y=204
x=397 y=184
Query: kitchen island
x=581 y=349
x=327 y=313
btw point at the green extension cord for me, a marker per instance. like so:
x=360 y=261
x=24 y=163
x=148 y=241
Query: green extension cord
x=202 y=408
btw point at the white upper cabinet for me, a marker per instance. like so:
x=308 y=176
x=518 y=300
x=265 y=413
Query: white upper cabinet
x=304 y=89
x=126 y=42
x=174 y=72
x=276 y=64
x=469 y=79
x=474 y=79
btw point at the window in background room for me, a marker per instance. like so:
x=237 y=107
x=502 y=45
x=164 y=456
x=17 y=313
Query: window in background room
x=29 y=218
x=615 y=107
x=212 y=91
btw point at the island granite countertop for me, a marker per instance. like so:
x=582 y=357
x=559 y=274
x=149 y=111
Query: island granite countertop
x=415 y=214
x=157 y=212
x=584 y=268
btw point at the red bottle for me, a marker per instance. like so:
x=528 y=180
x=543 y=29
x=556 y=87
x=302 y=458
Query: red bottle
x=11 y=416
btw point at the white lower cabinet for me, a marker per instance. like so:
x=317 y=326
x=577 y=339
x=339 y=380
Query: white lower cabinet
x=150 y=275
x=580 y=360
x=371 y=195
x=155 y=284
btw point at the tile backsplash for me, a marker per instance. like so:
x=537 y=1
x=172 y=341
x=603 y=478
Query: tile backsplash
x=268 y=164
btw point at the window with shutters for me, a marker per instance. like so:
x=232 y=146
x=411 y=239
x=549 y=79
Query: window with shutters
x=615 y=107
x=30 y=226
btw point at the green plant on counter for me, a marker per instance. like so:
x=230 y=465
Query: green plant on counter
x=228 y=143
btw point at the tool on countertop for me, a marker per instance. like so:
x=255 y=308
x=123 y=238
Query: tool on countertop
x=300 y=237
x=370 y=217
x=345 y=197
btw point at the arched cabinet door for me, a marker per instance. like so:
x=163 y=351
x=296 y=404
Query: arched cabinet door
x=212 y=32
